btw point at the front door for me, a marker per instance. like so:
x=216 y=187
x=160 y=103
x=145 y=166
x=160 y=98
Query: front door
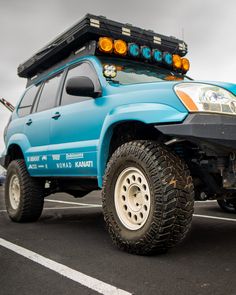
x=75 y=132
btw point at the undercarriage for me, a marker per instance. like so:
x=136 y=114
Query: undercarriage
x=207 y=143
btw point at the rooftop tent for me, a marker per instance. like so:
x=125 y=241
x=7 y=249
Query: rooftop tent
x=90 y=28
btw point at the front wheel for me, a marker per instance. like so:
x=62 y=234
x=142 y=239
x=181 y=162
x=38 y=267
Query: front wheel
x=228 y=205
x=147 y=198
x=24 y=195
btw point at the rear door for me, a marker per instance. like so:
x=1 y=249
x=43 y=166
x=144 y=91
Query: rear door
x=37 y=127
x=17 y=126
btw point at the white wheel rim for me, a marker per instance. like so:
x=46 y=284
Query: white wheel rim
x=14 y=192
x=132 y=198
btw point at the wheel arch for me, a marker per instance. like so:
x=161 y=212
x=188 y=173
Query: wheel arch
x=117 y=134
x=17 y=145
x=14 y=152
x=143 y=116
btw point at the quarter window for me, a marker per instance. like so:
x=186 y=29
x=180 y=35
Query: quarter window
x=26 y=103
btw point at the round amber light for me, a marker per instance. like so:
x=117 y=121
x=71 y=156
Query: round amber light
x=177 y=62
x=105 y=44
x=120 y=47
x=185 y=64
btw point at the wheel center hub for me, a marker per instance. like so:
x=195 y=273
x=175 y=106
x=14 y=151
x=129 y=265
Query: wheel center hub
x=132 y=198
x=135 y=198
x=14 y=192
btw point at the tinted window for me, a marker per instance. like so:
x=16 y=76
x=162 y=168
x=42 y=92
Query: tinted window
x=83 y=69
x=26 y=103
x=133 y=72
x=49 y=94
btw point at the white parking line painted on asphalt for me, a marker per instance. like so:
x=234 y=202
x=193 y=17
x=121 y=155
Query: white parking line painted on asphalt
x=215 y=217
x=206 y=201
x=72 y=203
x=63 y=208
x=65 y=271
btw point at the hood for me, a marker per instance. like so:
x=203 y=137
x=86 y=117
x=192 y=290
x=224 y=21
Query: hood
x=169 y=85
x=147 y=87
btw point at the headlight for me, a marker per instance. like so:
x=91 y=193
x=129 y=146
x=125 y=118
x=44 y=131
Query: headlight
x=199 y=97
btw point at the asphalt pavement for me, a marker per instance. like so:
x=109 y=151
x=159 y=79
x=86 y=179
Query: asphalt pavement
x=68 y=251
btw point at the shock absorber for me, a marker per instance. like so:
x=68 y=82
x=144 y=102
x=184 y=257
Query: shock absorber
x=221 y=165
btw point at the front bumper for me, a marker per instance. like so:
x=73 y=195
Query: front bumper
x=218 y=130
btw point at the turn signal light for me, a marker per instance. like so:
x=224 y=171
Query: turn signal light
x=187 y=101
x=120 y=47
x=105 y=44
x=177 y=62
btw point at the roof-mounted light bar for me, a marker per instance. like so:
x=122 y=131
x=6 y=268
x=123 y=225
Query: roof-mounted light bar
x=133 y=50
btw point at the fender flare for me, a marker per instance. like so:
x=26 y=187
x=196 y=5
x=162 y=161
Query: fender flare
x=19 y=139
x=148 y=113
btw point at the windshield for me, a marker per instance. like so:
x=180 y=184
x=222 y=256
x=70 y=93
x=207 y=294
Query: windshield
x=133 y=72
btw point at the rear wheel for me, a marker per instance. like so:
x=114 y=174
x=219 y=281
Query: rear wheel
x=147 y=198
x=228 y=205
x=24 y=195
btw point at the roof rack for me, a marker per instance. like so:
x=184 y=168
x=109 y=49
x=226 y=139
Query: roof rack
x=92 y=27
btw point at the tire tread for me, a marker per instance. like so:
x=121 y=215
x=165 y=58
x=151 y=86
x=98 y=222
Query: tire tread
x=174 y=195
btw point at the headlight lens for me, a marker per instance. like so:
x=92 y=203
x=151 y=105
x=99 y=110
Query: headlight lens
x=199 y=97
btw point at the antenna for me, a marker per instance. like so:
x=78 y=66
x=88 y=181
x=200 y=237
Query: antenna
x=182 y=31
x=7 y=104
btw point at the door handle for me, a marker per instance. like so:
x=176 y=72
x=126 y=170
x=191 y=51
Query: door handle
x=29 y=122
x=56 y=116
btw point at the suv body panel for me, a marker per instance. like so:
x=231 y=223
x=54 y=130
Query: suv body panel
x=77 y=143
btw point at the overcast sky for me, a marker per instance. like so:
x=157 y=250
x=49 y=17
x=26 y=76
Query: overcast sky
x=208 y=26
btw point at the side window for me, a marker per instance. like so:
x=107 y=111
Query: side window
x=48 y=95
x=27 y=101
x=83 y=69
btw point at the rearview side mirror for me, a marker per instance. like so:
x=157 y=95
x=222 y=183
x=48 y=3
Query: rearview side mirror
x=81 y=86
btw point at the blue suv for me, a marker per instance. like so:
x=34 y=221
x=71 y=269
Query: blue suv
x=109 y=109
